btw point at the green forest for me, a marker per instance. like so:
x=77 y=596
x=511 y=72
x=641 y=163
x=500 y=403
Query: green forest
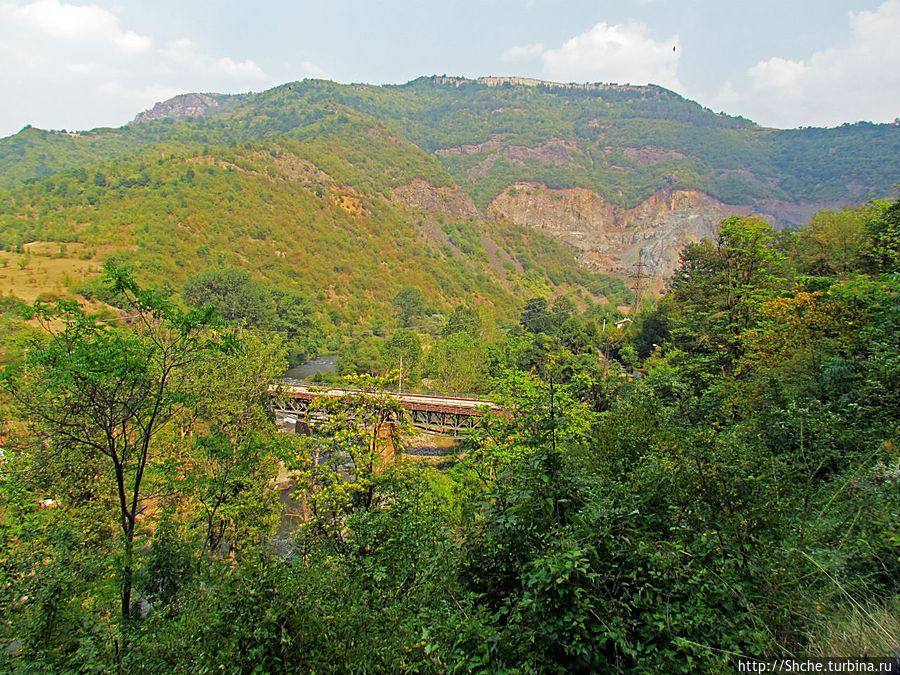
x=716 y=479
x=314 y=221
x=668 y=482
x=488 y=137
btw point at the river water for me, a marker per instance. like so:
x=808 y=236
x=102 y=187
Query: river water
x=322 y=364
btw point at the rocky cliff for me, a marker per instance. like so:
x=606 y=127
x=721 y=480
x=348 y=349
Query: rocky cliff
x=609 y=239
x=657 y=171
x=421 y=196
x=532 y=82
x=603 y=237
x=178 y=107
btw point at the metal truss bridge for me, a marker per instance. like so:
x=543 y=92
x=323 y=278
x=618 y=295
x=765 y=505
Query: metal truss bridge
x=446 y=415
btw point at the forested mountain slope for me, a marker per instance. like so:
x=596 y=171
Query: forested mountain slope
x=711 y=483
x=659 y=170
x=332 y=210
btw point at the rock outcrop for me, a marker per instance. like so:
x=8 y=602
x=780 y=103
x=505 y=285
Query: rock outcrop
x=421 y=196
x=532 y=82
x=179 y=107
x=609 y=239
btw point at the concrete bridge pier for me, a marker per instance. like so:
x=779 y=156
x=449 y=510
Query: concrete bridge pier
x=388 y=441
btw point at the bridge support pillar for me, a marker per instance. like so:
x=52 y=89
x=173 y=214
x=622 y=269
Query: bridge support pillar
x=287 y=423
x=388 y=442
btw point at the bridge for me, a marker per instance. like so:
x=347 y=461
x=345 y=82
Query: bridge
x=446 y=415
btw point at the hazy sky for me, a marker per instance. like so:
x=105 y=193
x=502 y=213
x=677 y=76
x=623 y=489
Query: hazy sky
x=77 y=65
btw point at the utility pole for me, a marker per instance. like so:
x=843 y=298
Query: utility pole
x=400 y=377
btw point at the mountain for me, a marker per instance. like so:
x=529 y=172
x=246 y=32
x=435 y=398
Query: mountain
x=341 y=212
x=614 y=171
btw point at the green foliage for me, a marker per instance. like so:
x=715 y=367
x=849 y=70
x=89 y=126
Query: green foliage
x=463 y=319
x=231 y=293
x=883 y=229
x=100 y=394
x=833 y=241
x=242 y=301
x=405 y=348
x=734 y=496
x=298 y=210
x=626 y=142
x=458 y=364
x=410 y=304
x=536 y=316
x=716 y=294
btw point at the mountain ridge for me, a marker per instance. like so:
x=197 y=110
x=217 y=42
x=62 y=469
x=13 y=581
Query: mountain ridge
x=631 y=147
x=179 y=107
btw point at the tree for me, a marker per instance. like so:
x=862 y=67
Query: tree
x=232 y=293
x=405 y=348
x=363 y=353
x=718 y=289
x=358 y=438
x=106 y=390
x=295 y=317
x=230 y=457
x=796 y=336
x=409 y=303
x=459 y=364
x=833 y=240
x=245 y=302
x=463 y=320
x=536 y=317
x=883 y=248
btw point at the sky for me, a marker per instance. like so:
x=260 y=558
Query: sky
x=70 y=64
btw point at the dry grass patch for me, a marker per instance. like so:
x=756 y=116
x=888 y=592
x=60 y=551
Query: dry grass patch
x=28 y=275
x=865 y=630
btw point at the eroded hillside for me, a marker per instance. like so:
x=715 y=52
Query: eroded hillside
x=609 y=170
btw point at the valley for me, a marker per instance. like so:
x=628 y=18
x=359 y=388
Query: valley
x=664 y=340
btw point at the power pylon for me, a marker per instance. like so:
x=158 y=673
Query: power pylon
x=638 y=277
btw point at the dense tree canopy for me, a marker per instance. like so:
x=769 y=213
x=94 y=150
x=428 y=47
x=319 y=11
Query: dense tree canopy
x=714 y=482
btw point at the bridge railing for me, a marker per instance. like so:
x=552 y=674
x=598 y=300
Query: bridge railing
x=432 y=413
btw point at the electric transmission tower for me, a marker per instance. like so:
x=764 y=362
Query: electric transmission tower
x=638 y=277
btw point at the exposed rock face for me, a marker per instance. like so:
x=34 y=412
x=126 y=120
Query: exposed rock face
x=574 y=215
x=610 y=239
x=555 y=152
x=178 y=107
x=421 y=196
x=649 y=155
x=605 y=238
x=532 y=82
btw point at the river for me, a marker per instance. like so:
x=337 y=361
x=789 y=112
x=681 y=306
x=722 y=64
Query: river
x=322 y=364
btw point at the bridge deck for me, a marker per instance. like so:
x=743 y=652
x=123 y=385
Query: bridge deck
x=441 y=414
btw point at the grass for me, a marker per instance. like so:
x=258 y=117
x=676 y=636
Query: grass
x=44 y=268
x=870 y=630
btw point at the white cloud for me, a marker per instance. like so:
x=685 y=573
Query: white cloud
x=82 y=69
x=310 y=69
x=77 y=66
x=137 y=96
x=615 y=53
x=858 y=78
x=524 y=52
x=80 y=23
x=778 y=72
x=184 y=54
